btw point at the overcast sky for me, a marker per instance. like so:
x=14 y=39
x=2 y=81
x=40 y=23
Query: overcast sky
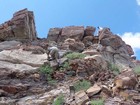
x=121 y=16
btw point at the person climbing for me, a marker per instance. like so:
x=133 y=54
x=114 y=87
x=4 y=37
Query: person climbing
x=53 y=54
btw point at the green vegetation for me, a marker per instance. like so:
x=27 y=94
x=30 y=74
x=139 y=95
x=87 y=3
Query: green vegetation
x=65 y=66
x=97 y=102
x=59 y=100
x=46 y=69
x=114 y=68
x=75 y=55
x=82 y=85
x=137 y=69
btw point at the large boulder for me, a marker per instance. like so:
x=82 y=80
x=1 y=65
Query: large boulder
x=20 y=27
x=113 y=40
x=22 y=61
x=89 y=31
x=9 y=45
x=53 y=34
x=77 y=46
x=75 y=32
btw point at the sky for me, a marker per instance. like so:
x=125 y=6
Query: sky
x=121 y=16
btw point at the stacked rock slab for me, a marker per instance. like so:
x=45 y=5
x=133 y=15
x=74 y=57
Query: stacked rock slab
x=20 y=27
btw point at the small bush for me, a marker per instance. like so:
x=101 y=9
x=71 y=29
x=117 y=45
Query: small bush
x=82 y=85
x=59 y=100
x=65 y=66
x=115 y=69
x=137 y=69
x=48 y=71
x=97 y=102
x=75 y=55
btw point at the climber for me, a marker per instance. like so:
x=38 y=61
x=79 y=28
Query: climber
x=53 y=54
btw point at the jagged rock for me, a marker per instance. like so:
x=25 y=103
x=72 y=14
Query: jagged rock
x=81 y=97
x=129 y=50
x=75 y=32
x=20 y=27
x=89 y=31
x=93 y=90
x=53 y=34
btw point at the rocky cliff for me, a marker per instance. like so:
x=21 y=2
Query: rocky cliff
x=92 y=67
x=20 y=27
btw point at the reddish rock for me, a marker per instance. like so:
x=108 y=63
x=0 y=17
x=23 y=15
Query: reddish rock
x=88 y=40
x=75 y=32
x=20 y=27
x=77 y=46
x=104 y=33
x=89 y=31
x=129 y=50
x=113 y=40
x=53 y=34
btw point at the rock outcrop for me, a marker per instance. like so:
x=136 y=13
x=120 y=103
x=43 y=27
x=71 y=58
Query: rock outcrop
x=20 y=27
x=90 y=66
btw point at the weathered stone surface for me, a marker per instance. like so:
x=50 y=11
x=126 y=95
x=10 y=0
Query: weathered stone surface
x=93 y=90
x=77 y=46
x=9 y=45
x=75 y=32
x=88 y=40
x=89 y=31
x=126 y=80
x=113 y=40
x=20 y=27
x=81 y=97
x=21 y=60
x=91 y=52
x=53 y=34
x=129 y=50
x=104 y=33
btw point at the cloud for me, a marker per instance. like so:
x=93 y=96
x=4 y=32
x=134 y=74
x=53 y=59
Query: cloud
x=132 y=39
x=138 y=2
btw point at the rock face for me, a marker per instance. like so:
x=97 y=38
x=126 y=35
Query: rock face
x=20 y=27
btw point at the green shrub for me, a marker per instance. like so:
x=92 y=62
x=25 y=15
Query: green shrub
x=97 y=102
x=114 y=68
x=65 y=66
x=47 y=70
x=82 y=85
x=75 y=55
x=137 y=69
x=59 y=100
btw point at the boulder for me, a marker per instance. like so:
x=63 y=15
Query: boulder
x=75 y=32
x=93 y=90
x=81 y=98
x=19 y=60
x=53 y=34
x=20 y=27
x=113 y=40
x=88 y=40
x=129 y=50
x=89 y=31
x=9 y=45
x=77 y=47
x=126 y=80
x=104 y=33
